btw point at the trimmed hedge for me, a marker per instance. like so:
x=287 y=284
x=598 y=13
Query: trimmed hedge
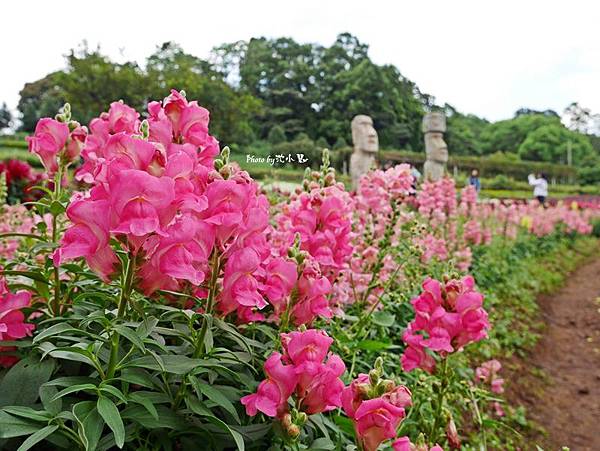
x=488 y=166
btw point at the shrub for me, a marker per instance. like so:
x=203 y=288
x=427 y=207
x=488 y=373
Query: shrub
x=276 y=135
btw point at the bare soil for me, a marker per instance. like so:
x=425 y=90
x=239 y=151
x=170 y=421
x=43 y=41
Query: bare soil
x=559 y=383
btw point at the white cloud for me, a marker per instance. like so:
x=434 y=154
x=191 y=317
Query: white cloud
x=489 y=58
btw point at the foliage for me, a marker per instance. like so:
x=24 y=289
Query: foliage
x=276 y=135
x=589 y=175
x=161 y=295
x=6 y=118
x=551 y=143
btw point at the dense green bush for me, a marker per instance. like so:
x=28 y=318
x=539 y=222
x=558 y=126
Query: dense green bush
x=589 y=175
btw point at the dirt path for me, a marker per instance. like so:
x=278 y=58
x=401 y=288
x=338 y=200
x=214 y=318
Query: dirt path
x=564 y=396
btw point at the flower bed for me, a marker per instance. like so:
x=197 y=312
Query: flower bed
x=171 y=302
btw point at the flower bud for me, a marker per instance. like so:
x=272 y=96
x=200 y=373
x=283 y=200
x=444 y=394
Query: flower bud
x=373 y=377
x=225 y=154
x=293 y=431
x=452 y=434
x=145 y=129
x=329 y=179
x=286 y=421
x=301 y=418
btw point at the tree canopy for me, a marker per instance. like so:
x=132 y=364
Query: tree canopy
x=275 y=89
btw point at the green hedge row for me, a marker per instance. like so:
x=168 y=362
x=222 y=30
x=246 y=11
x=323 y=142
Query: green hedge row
x=488 y=166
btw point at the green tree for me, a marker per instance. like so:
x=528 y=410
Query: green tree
x=464 y=132
x=232 y=113
x=340 y=143
x=508 y=135
x=41 y=98
x=549 y=143
x=92 y=81
x=321 y=143
x=5 y=116
x=276 y=135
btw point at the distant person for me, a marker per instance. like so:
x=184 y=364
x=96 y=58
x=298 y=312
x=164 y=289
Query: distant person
x=474 y=180
x=415 y=173
x=416 y=177
x=540 y=187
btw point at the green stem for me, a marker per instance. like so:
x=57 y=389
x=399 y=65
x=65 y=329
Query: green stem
x=216 y=267
x=440 y=401
x=479 y=418
x=123 y=301
x=56 y=197
x=199 y=342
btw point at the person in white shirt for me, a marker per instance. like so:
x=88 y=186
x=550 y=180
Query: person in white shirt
x=540 y=187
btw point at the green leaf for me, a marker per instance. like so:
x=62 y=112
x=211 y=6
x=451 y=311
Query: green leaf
x=322 y=444
x=56 y=329
x=214 y=395
x=104 y=387
x=384 y=319
x=28 y=274
x=140 y=399
x=90 y=424
x=175 y=364
x=37 y=437
x=374 y=345
x=199 y=408
x=131 y=336
x=73 y=389
x=21 y=384
x=47 y=393
x=111 y=416
x=56 y=208
x=29 y=413
x=166 y=417
x=70 y=380
x=138 y=376
x=14 y=427
x=146 y=327
x=237 y=437
x=69 y=353
x=344 y=423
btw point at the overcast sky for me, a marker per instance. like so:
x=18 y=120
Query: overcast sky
x=484 y=57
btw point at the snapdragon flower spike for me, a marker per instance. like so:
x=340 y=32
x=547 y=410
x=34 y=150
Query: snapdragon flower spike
x=447 y=317
x=306 y=370
x=148 y=194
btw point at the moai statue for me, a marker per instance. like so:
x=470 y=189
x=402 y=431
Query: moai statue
x=366 y=146
x=434 y=126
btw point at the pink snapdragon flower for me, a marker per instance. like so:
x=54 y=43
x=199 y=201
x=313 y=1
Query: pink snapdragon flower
x=376 y=407
x=12 y=320
x=50 y=138
x=447 y=317
x=122 y=118
x=488 y=372
x=306 y=370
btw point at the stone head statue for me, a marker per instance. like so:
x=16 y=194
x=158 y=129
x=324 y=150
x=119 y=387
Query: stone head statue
x=434 y=126
x=366 y=146
x=364 y=136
